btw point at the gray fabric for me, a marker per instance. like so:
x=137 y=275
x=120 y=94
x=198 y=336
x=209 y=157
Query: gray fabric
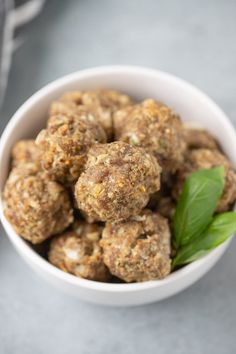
x=12 y=15
x=6 y=37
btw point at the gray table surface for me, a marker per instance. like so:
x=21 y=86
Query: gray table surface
x=192 y=39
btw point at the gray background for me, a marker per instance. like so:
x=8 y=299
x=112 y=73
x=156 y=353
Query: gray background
x=192 y=39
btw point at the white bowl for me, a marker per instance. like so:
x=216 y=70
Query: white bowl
x=140 y=83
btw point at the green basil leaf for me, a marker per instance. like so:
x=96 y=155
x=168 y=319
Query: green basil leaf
x=197 y=203
x=221 y=228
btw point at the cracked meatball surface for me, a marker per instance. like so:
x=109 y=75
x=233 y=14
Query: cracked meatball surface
x=35 y=206
x=202 y=159
x=78 y=252
x=66 y=141
x=138 y=249
x=117 y=182
x=156 y=128
x=101 y=103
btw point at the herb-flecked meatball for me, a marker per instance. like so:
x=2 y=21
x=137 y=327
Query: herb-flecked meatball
x=101 y=103
x=138 y=249
x=25 y=151
x=202 y=159
x=66 y=141
x=78 y=252
x=35 y=206
x=155 y=127
x=117 y=182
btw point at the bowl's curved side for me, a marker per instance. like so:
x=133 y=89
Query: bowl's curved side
x=184 y=98
x=115 y=294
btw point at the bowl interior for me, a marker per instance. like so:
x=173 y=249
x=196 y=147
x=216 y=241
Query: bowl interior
x=189 y=102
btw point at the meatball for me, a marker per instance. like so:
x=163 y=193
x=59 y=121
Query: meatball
x=202 y=159
x=197 y=138
x=117 y=182
x=78 y=252
x=138 y=249
x=62 y=108
x=25 y=151
x=101 y=103
x=65 y=143
x=35 y=206
x=155 y=127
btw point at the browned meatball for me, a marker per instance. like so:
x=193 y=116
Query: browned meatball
x=117 y=182
x=65 y=143
x=101 y=103
x=25 y=151
x=78 y=252
x=138 y=249
x=203 y=159
x=34 y=205
x=62 y=108
x=155 y=127
x=196 y=138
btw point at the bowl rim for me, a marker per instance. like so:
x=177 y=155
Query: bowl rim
x=39 y=261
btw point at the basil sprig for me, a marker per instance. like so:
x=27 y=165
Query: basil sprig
x=221 y=228
x=197 y=203
x=196 y=230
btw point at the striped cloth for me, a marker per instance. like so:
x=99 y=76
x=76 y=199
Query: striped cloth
x=13 y=14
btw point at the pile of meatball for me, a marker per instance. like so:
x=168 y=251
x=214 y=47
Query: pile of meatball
x=100 y=183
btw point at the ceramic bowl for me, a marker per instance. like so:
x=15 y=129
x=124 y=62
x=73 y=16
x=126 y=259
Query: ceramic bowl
x=140 y=83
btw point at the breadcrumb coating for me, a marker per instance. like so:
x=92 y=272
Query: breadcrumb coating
x=156 y=128
x=138 y=249
x=36 y=207
x=78 y=252
x=117 y=182
x=102 y=103
x=25 y=151
x=65 y=143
